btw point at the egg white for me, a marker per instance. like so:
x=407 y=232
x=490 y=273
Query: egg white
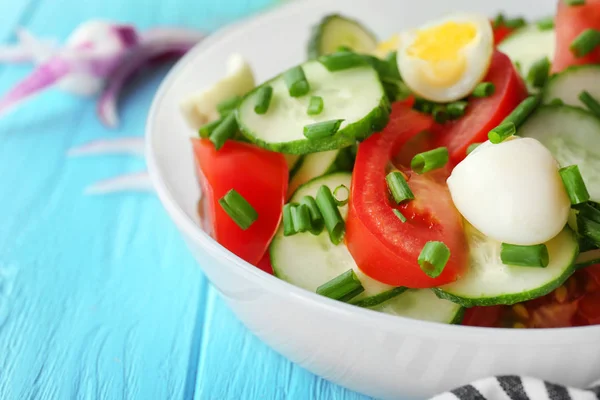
x=418 y=73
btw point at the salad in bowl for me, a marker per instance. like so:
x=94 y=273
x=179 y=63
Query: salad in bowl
x=448 y=173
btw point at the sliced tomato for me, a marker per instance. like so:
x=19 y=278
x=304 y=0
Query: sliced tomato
x=265 y=264
x=589 y=308
x=384 y=247
x=483 y=114
x=501 y=32
x=260 y=176
x=570 y=22
x=488 y=317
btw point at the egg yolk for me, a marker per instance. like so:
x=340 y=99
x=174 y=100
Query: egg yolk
x=440 y=46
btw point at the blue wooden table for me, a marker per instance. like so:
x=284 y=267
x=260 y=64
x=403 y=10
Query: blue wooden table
x=99 y=298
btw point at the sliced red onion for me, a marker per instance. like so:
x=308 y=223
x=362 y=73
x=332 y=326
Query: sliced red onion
x=42 y=78
x=126 y=145
x=96 y=49
x=96 y=52
x=156 y=43
x=136 y=182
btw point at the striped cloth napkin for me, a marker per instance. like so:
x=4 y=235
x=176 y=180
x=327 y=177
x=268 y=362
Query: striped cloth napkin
x=512 y=387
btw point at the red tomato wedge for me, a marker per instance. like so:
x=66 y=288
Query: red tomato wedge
x=265 y=264
x=260 y=176
x=501 y=32
x=483 y=114
x=488 y=317
x=570 y=22
x=384 y=247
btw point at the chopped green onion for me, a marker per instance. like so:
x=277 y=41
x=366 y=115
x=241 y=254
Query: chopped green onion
x=288 y=223
x=502 y=132
x=331 y=214
x=545 y=24
x=323 y=129
x=238 y=209
x=225 y=130
x=498 y=21
x=590 y=102
x=400 y=216
x=315 y=105
x=524 y=256
x=585 y=245
x=342 y=60
x=301 y=218
x=429 y=160
x=207 y=129
x=343 y=287
x=228 y=105
x=263 y=99
x=515 y=23
x=341 y=194
x=556 y=102
x=585 y=43
x=522 y=111
x=398 y=187
x=484 y=89
x=316 y=219
x=440 y=115
x=433 y=258
x=296 y=82
x=456 y=109
x=574 y=2
x=589 y=211
x=538 y=73
x=588 y=228
x=472 y=147
x=376 y=300
x=574 y=184
x=422 y=105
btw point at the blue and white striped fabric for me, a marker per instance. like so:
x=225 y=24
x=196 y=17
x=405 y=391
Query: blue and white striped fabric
x=511 y=387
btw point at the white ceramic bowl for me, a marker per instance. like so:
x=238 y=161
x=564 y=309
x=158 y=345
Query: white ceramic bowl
x=373 y=353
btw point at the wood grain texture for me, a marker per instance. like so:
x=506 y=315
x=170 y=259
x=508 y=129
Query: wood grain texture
x=99 y=299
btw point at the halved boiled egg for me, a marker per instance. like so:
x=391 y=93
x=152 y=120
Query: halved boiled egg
x=444 y=60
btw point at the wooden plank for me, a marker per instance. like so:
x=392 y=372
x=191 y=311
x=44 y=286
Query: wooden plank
x=98 y=296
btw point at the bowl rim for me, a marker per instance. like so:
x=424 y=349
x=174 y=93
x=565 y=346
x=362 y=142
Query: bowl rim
x=251 y=273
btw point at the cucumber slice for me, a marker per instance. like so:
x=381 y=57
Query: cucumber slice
x=423 y=305
x=318 y=164
x=489 y=282
x=308 y=261
x=572 y=136
x=354 y=95
x=527 y=45
x=334 y=31
x=568 y=84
